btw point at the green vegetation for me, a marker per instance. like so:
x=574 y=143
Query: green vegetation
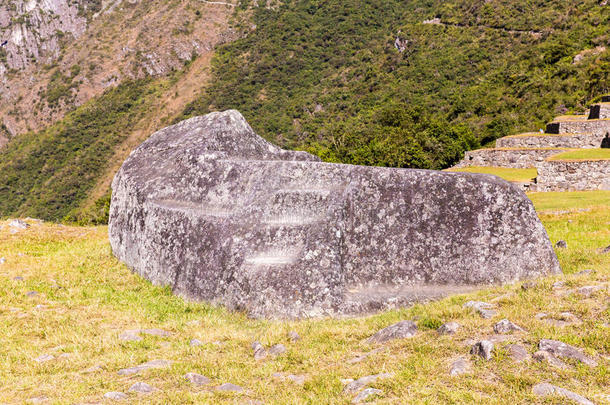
x=328 y=77
x=583 y=154
x=570 y=201
x=506 y=173
x=48 y=174
x=87 y=298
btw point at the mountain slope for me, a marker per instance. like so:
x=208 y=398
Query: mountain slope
x=408 y=84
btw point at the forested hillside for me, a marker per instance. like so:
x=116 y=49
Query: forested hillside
x=376 y=82
x=410 y=84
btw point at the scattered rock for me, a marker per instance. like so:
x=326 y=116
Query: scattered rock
x=528 y=285
x=115 y=396
x=541 y=315
x=483 y=348
x=448 y=328
x=195 y=342
x=605 y=250
x=142 y=388
x=145 y=366
x=229 y=387
x=546 y=389
x=156 y=332
x=295 y=378
x=400 y=330
x=44 y=358
x=37 y=400
x=518 y=353
x=561 y=244
x=589 y=290
x=276 y=350
x=259 y=351
x=64 y=356
x=93 y=369
x=506 y=326
x=558 y=285
x=585 y=272
x=18 y=224
x=546 y=357
x=357 y=385
x=564 y=350
x=293 y=336
x=2 y=260
x=31 y=293
x=364 y=356
x=365 y=394
x=459 y=366
x=197 y=379
x=18 y=278
x=563 y=319
x=483 y=308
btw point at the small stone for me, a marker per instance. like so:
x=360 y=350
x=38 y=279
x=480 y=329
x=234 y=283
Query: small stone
x=156 y=332
x=528 y=285
x=293 y=336
x=65 y=355
x=506 y=326
x=197 y=379
x=37 y=400
x=518 y=353
x=365 y=394
x=93 y=369
x=546 y=389
x=18 y=224
x=558 y=285
x=229 y=387
x=295 y=378
x=448 y=328
x=585 y=272
x=541 y=315
x=605 y=250
x=18 y=278
x=561 y=244
x=130 y=336
x=362 y=382
x=145 y=366
x=483 y=348
x=31 y=293
x=460 y=366
x=483 y=308
x=399 y=330
x=44 y=358
x=2 y=260
x=259 y=351
x=276 y=350
x=564 y=350
x=195 y=342
x=589 y=290
x=142 y=388
x=546 y=357
x=115 y=396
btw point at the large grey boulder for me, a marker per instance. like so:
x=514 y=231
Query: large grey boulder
x=218 y=213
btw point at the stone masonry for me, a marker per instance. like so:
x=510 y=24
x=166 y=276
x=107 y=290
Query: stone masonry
x=535 y=150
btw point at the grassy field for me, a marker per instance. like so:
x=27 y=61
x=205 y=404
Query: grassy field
x=583 y=154
x=86 y=299
x=507 y=173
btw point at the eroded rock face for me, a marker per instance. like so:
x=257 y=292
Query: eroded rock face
x=218 y=213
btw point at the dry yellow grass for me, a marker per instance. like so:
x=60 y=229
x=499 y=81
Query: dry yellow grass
x=87 y=298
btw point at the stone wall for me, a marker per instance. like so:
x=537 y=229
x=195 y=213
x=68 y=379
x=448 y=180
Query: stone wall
x=572 y=175
x=600 y=111
x=536 y=140
x=517 y=158
x=597 y=127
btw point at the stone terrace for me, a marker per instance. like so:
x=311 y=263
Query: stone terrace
x=535 y=150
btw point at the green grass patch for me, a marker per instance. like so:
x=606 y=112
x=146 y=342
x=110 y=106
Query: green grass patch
x=87 y=298
x=583 y=154
x=506 y=173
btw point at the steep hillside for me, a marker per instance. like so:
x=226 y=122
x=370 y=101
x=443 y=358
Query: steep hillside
x=410 y=84
x=59 y=54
